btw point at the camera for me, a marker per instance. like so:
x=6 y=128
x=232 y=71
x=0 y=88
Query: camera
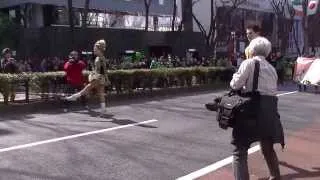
x=214 y=105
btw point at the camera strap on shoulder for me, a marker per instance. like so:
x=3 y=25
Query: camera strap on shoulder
x=256 y=75
x=235 y=104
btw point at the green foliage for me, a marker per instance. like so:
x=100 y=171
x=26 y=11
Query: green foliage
x=126 y=80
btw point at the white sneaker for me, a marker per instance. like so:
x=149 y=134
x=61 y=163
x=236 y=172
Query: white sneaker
x=71 y=98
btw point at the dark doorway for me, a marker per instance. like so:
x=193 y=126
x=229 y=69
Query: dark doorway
x=159 y=51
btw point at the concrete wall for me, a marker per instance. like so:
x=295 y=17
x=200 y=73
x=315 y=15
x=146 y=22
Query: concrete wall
x=56 y=41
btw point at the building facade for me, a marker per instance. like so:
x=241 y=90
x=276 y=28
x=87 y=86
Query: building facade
x=128 y=14
x=43 y=27
x=258 y=12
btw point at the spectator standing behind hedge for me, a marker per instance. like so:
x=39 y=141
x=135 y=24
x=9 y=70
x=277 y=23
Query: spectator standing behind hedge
x=74 y=68
x=44 y=65
x=252 y=31
x=154 y=64
x=74 y=77
x=10 y=66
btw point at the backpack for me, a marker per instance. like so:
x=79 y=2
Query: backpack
x=236 y=105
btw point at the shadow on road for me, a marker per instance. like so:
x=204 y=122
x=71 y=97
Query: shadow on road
x=4 y=132
x=57 y=106
x=299 y=172
x=111 y=119
x=15 y=117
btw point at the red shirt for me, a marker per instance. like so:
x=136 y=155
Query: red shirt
x=74 y=74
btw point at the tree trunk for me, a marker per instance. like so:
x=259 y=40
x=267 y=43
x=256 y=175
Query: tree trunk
x=305 y=49
x=71 y=23
x=305 y=25
x=147 y=20
x=296 y=41
x=187 y=7
x=283 y=34
x=85 y=14
x=174 y=15
x=147 y=4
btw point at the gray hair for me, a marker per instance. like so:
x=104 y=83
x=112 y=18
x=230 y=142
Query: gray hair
x=260 y=46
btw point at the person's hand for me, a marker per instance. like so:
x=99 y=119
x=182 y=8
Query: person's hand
x=11 y=60
x=72 y=60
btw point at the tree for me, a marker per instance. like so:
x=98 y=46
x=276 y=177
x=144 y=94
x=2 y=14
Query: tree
x=306 y=22
x=174 y=15
x=284 y=24
x=85 y=13
x=211 y=34
x=26 y=14
x=292 y=14
x=147 y=4
x=71 y=22
x=187 y=20
x=305 y=26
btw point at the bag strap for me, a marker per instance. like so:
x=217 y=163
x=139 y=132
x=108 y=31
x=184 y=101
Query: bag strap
x=256 y=75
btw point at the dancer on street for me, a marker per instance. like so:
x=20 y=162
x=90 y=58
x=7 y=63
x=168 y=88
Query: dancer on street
x=98 y=78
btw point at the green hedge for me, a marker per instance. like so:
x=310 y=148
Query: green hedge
x=124 y=80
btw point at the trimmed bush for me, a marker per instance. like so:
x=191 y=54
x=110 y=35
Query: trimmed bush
x=122 y=80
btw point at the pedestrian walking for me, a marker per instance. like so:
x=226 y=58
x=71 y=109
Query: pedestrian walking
x=267 y=129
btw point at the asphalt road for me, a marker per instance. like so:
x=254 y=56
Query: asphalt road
x=183 y=137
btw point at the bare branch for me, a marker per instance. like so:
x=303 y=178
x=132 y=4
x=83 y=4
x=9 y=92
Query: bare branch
x=202 y=29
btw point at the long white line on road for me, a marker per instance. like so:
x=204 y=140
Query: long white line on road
x=215 y=166
x=73 y=136
x=283 y=94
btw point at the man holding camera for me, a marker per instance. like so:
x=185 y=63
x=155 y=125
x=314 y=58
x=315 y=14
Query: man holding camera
x=268 y=129
x=256 y=76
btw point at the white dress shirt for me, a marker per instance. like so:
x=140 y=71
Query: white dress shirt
x=243 y=78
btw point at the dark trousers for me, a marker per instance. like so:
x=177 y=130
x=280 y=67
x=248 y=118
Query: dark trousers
x=240 y=161
x=281 y=76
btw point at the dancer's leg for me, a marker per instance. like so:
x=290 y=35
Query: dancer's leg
x=84 y=91
x=101 y=93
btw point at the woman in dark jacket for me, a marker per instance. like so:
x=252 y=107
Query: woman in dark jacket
x=267 y=129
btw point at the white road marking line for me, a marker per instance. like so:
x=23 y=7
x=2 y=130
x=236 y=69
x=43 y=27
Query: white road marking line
x=215 y=166
x=73 y=136
x=283 y=94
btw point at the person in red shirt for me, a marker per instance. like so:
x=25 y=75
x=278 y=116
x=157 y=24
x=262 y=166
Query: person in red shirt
x=74 y=77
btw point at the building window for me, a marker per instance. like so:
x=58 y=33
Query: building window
x=161 y=2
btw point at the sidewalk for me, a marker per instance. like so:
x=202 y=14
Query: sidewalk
x=20 y=97
x=299 y=160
